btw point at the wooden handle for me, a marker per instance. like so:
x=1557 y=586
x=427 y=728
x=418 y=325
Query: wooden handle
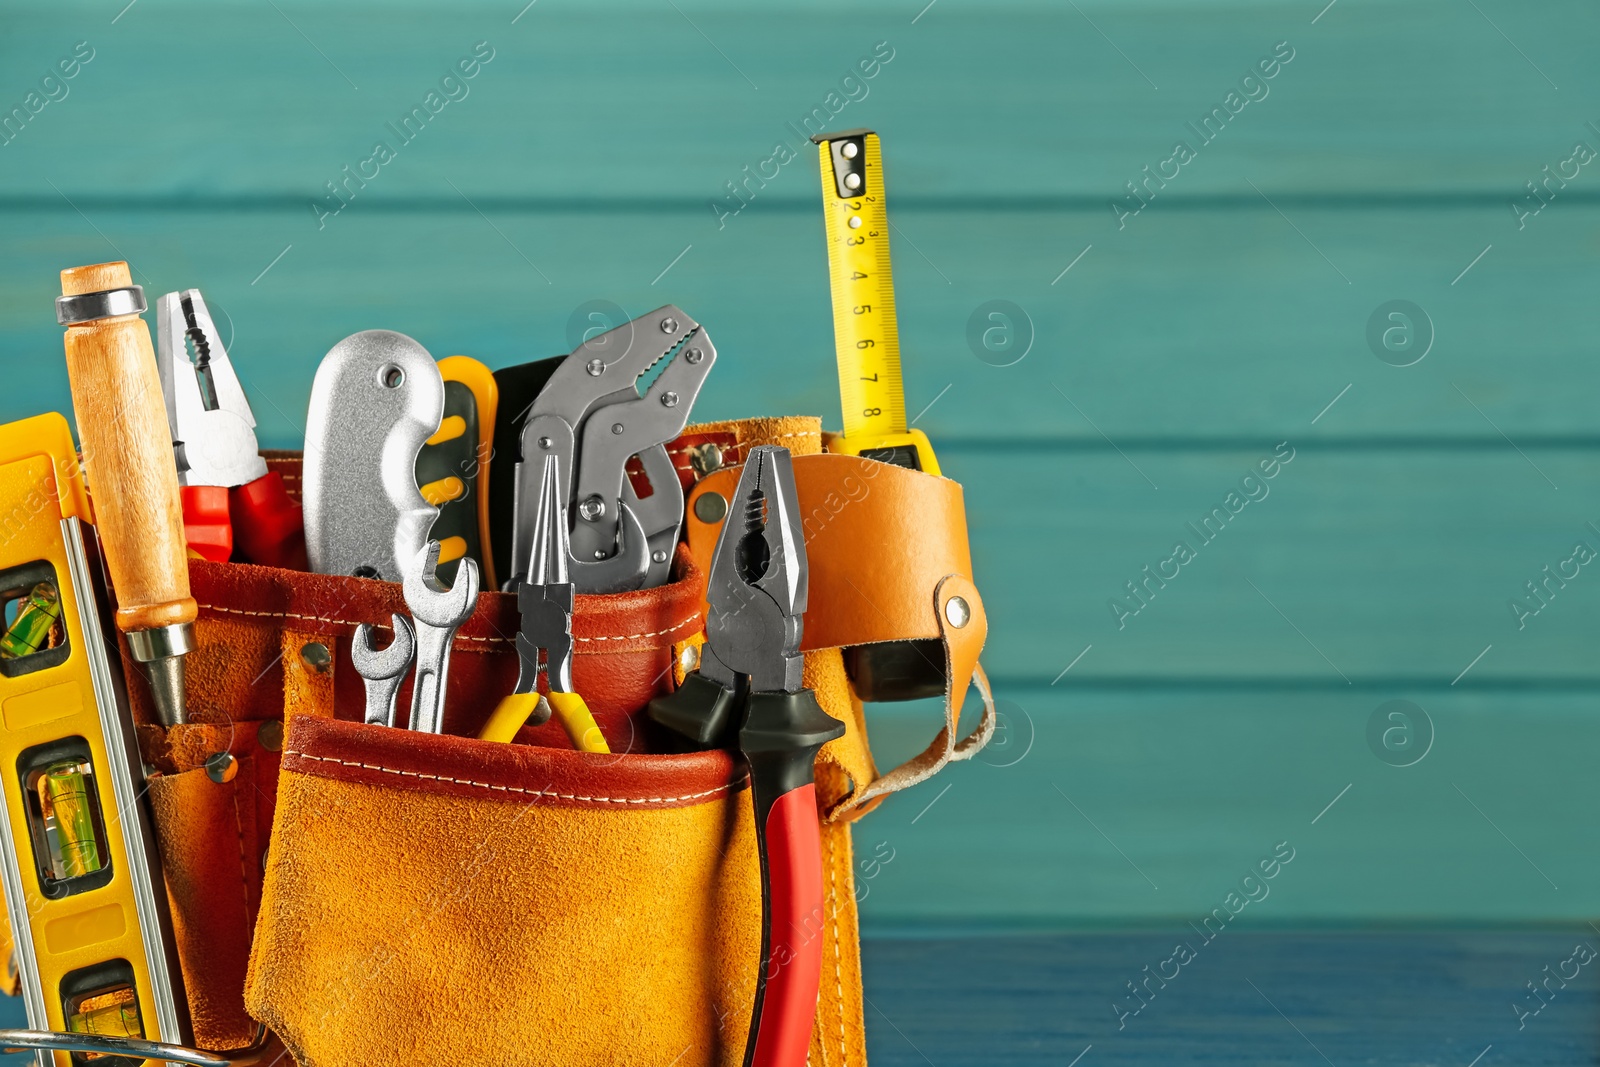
x=127 y=457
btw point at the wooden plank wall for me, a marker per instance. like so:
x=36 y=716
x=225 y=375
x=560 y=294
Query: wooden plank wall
x=1171 y=350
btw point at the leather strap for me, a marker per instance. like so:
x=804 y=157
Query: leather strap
x=307 y=673
x=961 y=647
x=879 y=540
x=887 y=554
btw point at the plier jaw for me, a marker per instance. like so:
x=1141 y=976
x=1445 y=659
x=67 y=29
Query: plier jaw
x=756 y=595
x=213 y=428
x=545 y=599
x=230 y=500
x=758 y=582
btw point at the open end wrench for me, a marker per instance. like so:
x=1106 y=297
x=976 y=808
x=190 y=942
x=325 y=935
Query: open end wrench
x=383 y=670
x=438 y=613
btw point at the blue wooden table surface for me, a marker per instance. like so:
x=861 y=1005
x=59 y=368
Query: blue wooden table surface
x=1451 y=999
x=1436 y=998
x=1167 y=352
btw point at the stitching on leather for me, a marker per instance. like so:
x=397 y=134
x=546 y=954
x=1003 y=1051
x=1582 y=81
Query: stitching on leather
x=244 y=871
x=516 y=789
x=653 y=633
x=459 y=637
x=838 y=976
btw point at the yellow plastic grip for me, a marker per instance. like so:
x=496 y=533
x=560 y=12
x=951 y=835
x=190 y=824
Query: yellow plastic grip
x=569 y=710
x=508 y=717
x=573 y=714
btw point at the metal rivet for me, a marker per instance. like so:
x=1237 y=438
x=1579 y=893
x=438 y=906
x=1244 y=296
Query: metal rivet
x=852 y=181
x=545 y=442
x=595 y=367
x=689 y=658
x=390 y=376
x=694 y=355
x=616 y=427
x=669 y=325
x=659 y=555
x=855 y=222
x=270 y=735
x=592 y=508
x=221 y=767
x=315 y=655
x=710 y=507
x=957 y=612
x=849 y=150
x=705 y=458
x=669 y=399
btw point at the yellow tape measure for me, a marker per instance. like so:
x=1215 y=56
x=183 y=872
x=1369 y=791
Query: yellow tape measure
x=865 y=335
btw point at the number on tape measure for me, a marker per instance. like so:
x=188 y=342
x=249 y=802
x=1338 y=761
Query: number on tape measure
x=866 y=339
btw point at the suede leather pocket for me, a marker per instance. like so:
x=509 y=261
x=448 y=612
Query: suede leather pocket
x=274 y=647
x=427 y=894
x=430 y=898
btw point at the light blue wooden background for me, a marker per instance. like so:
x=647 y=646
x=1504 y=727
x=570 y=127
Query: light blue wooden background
x=1140 y=785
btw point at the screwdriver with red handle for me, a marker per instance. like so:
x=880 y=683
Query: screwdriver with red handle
x=750 y=666
x=233 y=506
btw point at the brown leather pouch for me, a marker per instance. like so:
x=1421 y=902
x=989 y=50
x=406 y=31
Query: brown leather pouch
x=413 y=897
x=274 y=646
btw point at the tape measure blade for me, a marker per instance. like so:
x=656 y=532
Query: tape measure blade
x=865 y=331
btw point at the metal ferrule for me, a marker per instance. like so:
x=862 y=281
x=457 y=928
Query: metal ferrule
x=161 y=642
x=107 y=304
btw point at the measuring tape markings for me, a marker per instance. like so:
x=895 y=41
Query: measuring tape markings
x=866 y=333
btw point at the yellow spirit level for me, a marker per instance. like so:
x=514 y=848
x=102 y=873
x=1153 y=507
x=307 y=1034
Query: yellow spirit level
x=79 y=866
x=866 y=337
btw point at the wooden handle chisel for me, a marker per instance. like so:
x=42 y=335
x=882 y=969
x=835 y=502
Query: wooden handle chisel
x=127 y=457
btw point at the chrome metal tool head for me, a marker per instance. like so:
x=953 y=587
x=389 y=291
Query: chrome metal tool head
x=438 y=613
x=545 y=600
x=376 y=399
x=606 y=370
x=213 y=428
x=383 y=670
x=633 y=426
x=547 y=564
x=757 y=587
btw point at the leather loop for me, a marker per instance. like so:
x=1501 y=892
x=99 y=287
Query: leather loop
x=961 y=647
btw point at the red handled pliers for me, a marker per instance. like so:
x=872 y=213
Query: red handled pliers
x=230 y=499
x=750 y=666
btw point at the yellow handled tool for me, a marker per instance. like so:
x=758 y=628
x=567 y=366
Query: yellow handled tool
x=569 y=709
x=545 y=600
x=453 y=468
x=866 y=337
